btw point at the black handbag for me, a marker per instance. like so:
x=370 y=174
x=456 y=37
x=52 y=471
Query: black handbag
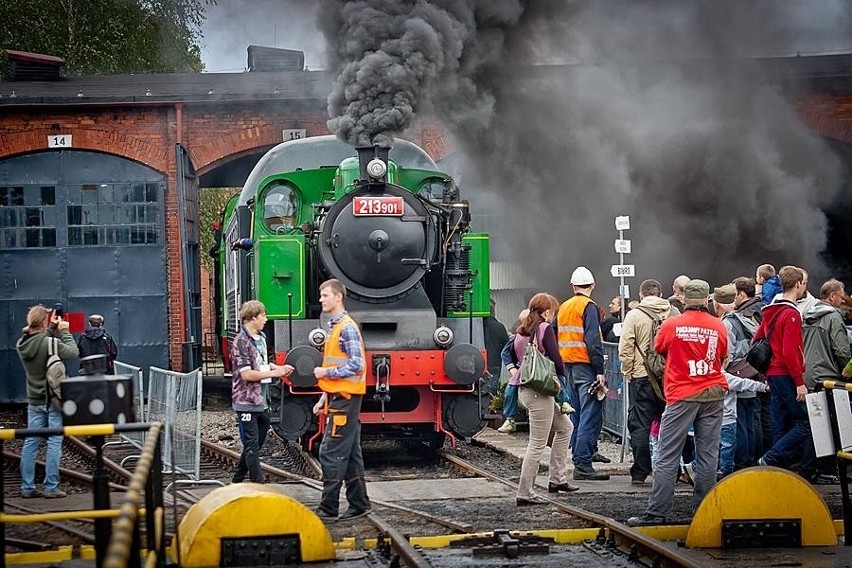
x=760 y=354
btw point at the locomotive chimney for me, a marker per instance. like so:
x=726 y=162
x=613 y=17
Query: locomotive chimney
x=373 y=163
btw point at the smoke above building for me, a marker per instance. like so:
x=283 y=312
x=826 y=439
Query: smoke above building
x=656 y=109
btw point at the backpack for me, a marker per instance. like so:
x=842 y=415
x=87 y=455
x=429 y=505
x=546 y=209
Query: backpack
x=655 y=363
x=740 y=367
x=54 y=374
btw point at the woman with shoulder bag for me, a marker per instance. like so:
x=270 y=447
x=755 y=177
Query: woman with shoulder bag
x=543 y=415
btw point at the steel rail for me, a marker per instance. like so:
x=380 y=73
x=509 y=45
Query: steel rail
x=91 y=453
x=233 y=456
x=86 y=537
x=654 y=549
x=77 y=476
x=412 y=557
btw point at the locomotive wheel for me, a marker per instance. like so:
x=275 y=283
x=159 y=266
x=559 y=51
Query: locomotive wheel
x=462 y=414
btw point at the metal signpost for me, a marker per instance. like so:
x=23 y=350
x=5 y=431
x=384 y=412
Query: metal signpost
x=622 y=271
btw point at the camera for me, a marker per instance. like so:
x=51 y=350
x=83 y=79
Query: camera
x=58 y=310
x=598 y=390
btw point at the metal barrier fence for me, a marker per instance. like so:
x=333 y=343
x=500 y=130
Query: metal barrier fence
x=617 y=400
x=136 y=439
x=175 y=400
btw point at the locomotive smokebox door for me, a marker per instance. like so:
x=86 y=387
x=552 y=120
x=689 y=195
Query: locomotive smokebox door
x=464 y=364
x=303 y=359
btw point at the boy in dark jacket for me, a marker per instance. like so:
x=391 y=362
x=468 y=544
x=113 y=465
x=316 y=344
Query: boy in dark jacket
x=96 y=341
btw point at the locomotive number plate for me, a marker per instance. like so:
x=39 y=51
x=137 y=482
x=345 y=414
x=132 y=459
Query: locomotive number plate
x=377 y=206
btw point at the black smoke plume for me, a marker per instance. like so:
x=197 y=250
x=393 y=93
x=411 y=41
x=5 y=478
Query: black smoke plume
x=655 y=108
x=398 y=58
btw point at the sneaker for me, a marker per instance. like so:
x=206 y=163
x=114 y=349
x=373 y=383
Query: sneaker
x=561 y=488
x=689 y=472
x=508 y=426
x=600 y=458
x=325 y=515
x=645 y=520
x=351 y=514
x=531 y=500
x=762 y=462
x=825 y=479
x=566 y=408
x=588 y=473
x=638 y=481
x=56 y=494
x=31 y=494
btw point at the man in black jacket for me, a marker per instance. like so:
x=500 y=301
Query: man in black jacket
x=96 y=341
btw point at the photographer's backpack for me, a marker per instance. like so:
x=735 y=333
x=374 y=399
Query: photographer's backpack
x=55 y=372
x=655 y=363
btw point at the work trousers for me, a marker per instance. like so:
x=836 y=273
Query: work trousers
x=543 y=417
x=706 y=417
x=340 y=455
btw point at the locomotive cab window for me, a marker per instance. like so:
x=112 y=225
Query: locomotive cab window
x=280 y=206
x=434 y=189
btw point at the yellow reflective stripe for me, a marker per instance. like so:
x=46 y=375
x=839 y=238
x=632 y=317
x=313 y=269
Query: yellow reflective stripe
x=571 y=328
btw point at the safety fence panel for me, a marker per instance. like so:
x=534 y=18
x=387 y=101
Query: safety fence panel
x=175 y=400
x=135 y=438
x=616 y=403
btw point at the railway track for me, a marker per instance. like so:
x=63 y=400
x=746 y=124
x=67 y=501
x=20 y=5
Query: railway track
x=635 y=545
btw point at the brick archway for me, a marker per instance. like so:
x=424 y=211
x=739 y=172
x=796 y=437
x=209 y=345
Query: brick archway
x=113 y=143
x=214 y=152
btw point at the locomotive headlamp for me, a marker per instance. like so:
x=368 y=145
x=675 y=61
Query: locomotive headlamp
x=317 y=337
x=443 y=336
x=377 y=168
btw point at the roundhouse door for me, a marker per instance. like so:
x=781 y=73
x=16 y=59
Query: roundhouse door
x=85 y=229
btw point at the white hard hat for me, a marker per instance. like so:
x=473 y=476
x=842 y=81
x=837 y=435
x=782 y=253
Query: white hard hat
x=582 y=276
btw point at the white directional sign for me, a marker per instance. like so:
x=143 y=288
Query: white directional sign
x=622 y=223
x=625 y=291
x=622 y=246
x=624 y=270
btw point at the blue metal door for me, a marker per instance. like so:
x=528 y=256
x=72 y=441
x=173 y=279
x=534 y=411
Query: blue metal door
x=85 y=229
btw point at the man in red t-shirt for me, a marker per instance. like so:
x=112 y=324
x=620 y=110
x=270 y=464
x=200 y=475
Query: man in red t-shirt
x=695 y=345
x=782 y=324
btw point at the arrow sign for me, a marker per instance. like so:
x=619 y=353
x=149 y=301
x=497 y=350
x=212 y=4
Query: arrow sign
x=622 y=270
x=622 y=223
x=622 y=246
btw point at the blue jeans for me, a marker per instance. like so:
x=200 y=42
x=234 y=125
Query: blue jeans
x=791 y=430
x=510 y=402
x=588 y=415
x=39 y=417
x=746 y=450
x=727 y=447
x=564 y=394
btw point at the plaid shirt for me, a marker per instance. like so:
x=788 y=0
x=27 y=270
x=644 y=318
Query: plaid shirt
x=245 y=396
x=350 y=343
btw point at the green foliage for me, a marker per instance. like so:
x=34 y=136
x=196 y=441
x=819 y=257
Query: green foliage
x=107 y=36
x=211 y=204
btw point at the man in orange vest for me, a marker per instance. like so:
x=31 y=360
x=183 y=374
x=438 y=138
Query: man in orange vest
x=343 y=379
x=579 y=335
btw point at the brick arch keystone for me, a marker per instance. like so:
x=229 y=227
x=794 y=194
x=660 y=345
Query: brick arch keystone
x=97 y=140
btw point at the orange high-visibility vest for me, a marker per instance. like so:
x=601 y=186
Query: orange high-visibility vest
x=333 y=355
x=572 y=348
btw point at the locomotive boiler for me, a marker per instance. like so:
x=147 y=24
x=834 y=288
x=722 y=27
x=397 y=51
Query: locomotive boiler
x=393 y=228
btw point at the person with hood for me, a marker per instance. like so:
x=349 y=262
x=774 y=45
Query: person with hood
x=96 y=341
x=42 y=327
x=806 y=301
x=782 y=326
x=770 y=285
x=645 y=405
x=826 y=352
x=826 y=345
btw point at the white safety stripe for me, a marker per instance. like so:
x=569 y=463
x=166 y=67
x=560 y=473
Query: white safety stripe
x=571 y=344
x=571 y=328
